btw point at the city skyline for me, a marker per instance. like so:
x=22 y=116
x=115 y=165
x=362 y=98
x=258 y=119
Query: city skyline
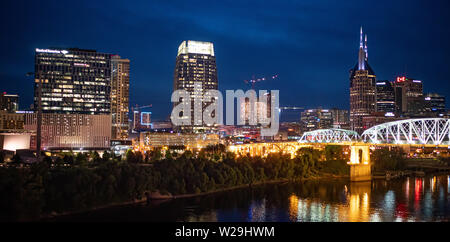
x=237 y=112
x=313 y=66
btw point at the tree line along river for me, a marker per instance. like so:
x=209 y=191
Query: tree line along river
x=324 y=200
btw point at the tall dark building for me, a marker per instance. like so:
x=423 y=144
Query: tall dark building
x=75 y=81
x=409 y=97
x=195 y=62
x=385 y=97
x=341 y=118
x=9 y=102
x=362 y=88
x=120 y=97
x=435 y=103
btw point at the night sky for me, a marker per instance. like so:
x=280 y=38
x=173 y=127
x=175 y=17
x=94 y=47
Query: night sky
x=311 y=44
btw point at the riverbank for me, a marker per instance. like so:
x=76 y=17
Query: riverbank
x=157 y=198
x=307 y=201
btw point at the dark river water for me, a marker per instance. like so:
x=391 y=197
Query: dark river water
x=406 y=199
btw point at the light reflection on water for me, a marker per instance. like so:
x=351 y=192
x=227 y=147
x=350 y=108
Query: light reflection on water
x=403 y=200
x=389 y=202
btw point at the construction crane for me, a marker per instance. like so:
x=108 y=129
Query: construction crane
x=137 y=107
x=253 y=81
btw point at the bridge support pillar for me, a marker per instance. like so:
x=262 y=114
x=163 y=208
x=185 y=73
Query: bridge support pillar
x=360 y=169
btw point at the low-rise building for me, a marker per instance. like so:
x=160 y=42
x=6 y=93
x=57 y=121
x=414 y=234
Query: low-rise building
x=178 y=139
x=71 y=131
x=11 y=121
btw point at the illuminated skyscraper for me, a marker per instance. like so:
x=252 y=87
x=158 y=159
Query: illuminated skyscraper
x=385 y=97
x=120 y=96
x=362 y=88
x=75 y=99
x=196 y=62
x=73 y=81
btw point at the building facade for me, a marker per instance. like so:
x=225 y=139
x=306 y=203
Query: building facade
x=409 y=97
x=9 y=102
x=11 y=121
x=385 y=97
x=141 y=121
x=341 y=118
x=260 y=109
x=379 y=118
x=178 y=139
x=362 y=88
x=120 y=97
x=435 y=104
x=73 y=81
x=196 y=63
x=71 y=131
x=314 y=119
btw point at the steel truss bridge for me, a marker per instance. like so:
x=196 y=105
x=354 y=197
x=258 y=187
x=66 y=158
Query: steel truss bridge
x=433 y=131
x=430 y=132
x=329 y=136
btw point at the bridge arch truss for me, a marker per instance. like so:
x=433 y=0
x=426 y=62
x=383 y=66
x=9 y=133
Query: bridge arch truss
x=329 y=136
x=433 y=131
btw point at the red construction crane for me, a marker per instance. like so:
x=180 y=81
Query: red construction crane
x=254 y=80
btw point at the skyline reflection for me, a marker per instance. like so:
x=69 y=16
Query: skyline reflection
x=401 y=200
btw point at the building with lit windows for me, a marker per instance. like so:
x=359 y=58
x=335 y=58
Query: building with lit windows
x=9 y=102
x=190 y=140
x=435 y=103
x=261 y=109
x=379 y=118
x=409 y=97
x=313 y=119
x=13 y=135
x=71 y=131
x=120 y=97
x=362 y=88
x=146 y=121
x=196 y=62
x=142 y=121
x=76 y=98
x=73 y=81
x=11 y=121
x=136 y=121
x=341 y=118
x=385 y=97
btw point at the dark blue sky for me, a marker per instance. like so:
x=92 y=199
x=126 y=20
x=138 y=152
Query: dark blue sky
x=311 y=44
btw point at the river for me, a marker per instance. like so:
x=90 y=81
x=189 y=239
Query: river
x=403 y=200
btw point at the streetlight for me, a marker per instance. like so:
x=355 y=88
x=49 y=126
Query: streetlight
x=39 y=116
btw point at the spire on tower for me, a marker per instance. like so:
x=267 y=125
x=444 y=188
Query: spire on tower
x=362 y=53
x=365 y=48
x=361 y=38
